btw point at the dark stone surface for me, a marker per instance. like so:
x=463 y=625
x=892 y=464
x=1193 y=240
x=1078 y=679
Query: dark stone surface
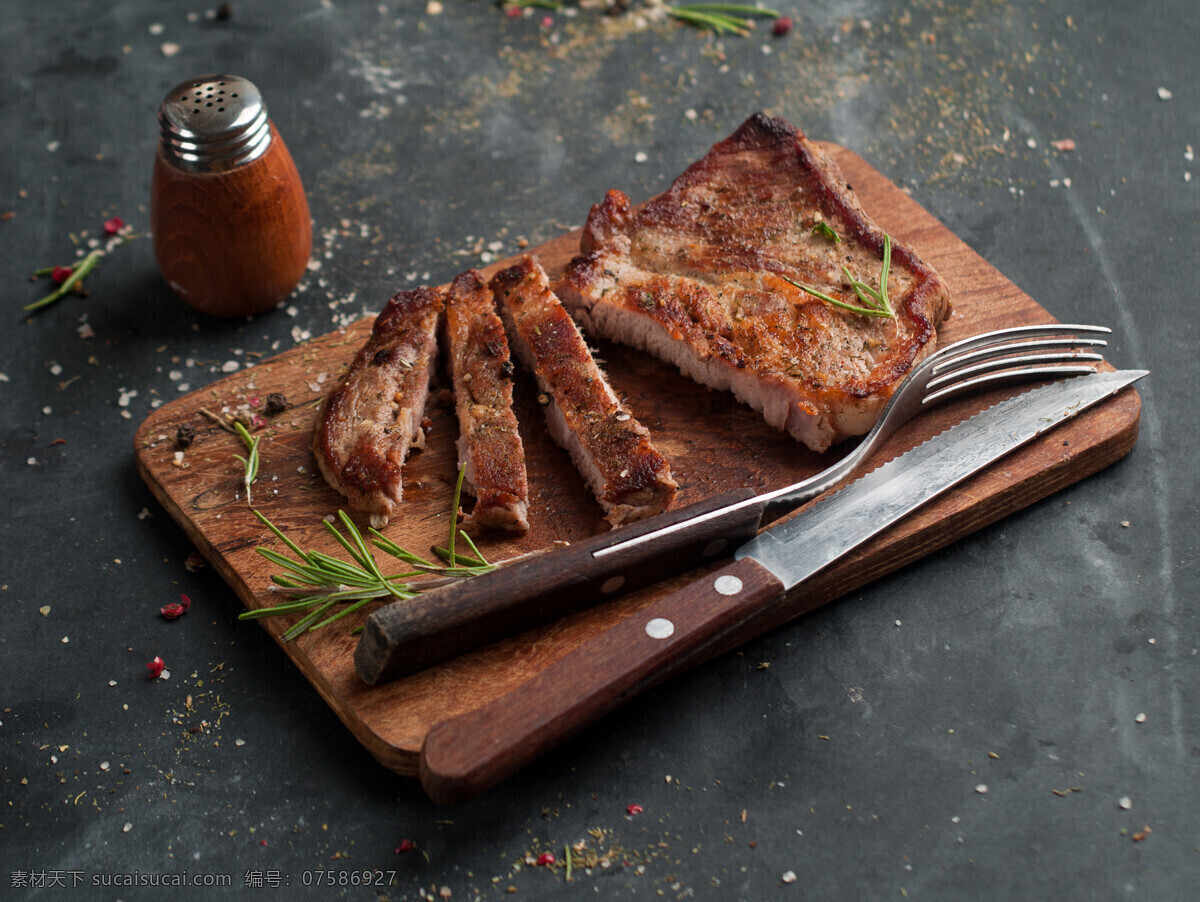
x=1039 y=639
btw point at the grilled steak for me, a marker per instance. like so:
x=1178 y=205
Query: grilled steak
x=367 y=424
x=699 y=277
x=489 y=445
x=611 y=450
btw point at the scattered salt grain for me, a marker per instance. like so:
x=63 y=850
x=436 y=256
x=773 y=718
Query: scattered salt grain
x=640 y=157
x=56 y=369
x=66 y=639
x=1125 y=802
x=104 y=765
x=1141 y=718
x=144 y=513
x=85 y=331
x=1164 y=94
x=112 y=682
x=1189 y=154
x=981 y=789
x=157 y=28
x=239 y=742
x=53 y=146
x=44 y=610
x=32 y=461
x=230 y=366
x=1030 y=143
x=169 y=48
x=788 y=877
x=128 y=826
x=47 y=411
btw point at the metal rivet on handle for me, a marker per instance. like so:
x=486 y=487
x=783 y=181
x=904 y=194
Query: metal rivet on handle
x=660 y=628
x=728 y=585
x=714 y=546
x=611 y=584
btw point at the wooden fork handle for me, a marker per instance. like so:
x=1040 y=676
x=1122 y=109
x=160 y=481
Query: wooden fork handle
x=408 y=636
x=473 y=752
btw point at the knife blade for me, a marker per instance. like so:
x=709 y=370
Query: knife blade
x=472 y=752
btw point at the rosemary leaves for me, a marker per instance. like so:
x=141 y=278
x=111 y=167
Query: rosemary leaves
x=875 y=301
x=250 y=461
x=720 y=18
x=314 y=583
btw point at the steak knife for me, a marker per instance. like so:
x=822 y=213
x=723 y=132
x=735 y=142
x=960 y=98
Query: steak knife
x=472 y=752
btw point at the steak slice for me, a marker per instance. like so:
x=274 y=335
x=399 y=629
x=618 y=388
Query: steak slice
x=372 y=417
x=699 y=277
x=489 y=445
x=611 y=450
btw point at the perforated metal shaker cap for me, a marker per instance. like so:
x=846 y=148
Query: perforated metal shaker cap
x=214 y=123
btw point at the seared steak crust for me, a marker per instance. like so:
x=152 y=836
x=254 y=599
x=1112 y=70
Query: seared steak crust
x=489 y=445
x=373 y=415
x=611 y=449
x=697 y=277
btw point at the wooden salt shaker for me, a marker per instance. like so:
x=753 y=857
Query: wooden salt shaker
x=232 y=232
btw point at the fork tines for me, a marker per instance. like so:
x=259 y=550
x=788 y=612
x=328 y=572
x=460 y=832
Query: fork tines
x=1022 y=354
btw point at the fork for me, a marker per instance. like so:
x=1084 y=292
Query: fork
x=406 y=637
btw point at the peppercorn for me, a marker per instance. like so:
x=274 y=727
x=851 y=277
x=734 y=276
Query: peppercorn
x=276 y=403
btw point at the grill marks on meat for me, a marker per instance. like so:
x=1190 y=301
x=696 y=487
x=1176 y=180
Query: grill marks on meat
x=489 y=445
x=369 y=421
x=697 y=278
x=611 y=449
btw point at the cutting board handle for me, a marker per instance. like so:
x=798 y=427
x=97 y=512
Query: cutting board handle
x=469 y=754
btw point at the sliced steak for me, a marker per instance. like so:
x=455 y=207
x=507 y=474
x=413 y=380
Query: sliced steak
x=372 y=417
x=699 y=278
x=611 y=450
x=489 y=445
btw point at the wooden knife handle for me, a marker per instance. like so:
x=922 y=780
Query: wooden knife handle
x=473 y=752
x=410 y=635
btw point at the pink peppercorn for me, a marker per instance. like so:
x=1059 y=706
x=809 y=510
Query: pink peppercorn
x=546 y=859
x=634 y=810
x=114 y=225
x=406 y=845
x=782 y=26
x=60 y=274
x=155 y=668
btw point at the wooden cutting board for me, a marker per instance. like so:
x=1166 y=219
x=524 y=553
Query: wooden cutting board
x=713 y=442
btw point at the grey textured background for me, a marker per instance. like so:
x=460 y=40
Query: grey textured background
x=417 y=135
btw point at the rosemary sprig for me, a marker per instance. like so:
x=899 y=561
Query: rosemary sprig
x=536 y=4
x=86 y=265
x=720 y=18
x=875 y=301
x=314 y=583
x=250 y=461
